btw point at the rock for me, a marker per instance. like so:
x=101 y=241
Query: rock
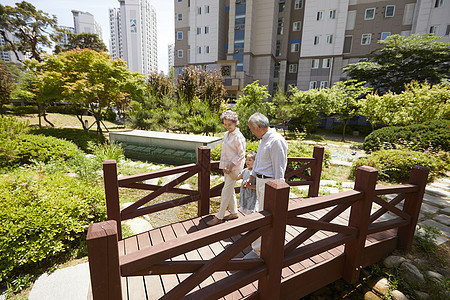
x=411 y=273
x=71 y=174
x=138 y=225
x=393 y=261
x=153 y=181
x=435 y=276
x=292 y=195
x=397 y=295
x=328 y=182
x=371 y=296
x=350 y=185
x=421 y=295
x=186 y=186
x=381 y=286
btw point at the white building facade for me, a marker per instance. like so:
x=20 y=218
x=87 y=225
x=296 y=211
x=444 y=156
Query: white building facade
x=85 y=22
x=134 y=35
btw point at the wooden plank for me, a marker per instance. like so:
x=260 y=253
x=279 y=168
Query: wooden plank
x=123 y=279
x=156 y=174
x=136 y=286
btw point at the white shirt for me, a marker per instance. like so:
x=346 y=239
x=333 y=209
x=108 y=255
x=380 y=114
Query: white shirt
x=271 y=158
x=233 y=150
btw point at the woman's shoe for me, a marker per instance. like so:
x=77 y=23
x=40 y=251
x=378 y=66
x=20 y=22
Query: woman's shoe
x=231 y=217
x=214 y=221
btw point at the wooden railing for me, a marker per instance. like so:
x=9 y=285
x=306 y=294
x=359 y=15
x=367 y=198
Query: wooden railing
x=107 y=268
x=202 y=196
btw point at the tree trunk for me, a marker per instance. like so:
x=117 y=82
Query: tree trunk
x=46 y=120
x=98 y=118
x=39 y=115
x=343 y=131
x=80 y=118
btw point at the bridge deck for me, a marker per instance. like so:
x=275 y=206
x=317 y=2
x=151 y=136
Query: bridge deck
x=155 y=286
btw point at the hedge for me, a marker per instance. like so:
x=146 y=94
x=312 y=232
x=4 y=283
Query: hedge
x=435 y=134
x=44 y=217
x=83 y=139
x=395 y=165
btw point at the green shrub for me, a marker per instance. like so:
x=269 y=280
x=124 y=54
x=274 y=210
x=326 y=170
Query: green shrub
x=395 y=165
x=44 y=218
x=26 y=148
x=11 y=127
x=18 y=110
x=108 y=151
x=80 y=137
x=434 y=134
x=363 y=130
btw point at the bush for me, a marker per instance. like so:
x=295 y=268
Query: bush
x=26 y=148
x=362 y=129
x=18 y=110
x=434 y=134
x=395 y=165
x=81 y=138
x=44 y=218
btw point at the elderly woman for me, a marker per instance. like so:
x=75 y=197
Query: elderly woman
x=232 y=162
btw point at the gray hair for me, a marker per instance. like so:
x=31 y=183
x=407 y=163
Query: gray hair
x=229 y=115
x=258 y=119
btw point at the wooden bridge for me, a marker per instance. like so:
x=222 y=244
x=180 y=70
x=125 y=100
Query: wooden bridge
x=307 y=243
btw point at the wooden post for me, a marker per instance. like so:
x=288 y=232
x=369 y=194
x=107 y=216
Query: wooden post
x=204 y=155
x=316 y=171
x=366 y=179
x=413 y=202
x=276 y=199
x=112 y=193
x=103 y=254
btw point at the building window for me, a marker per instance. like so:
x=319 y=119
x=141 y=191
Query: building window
x=323 y=84
x=298 y=4
x=281 y=6
x=180 y=0
x=370 y=14
x=179 y=35
x=326 y=63
x=329 y=38
x=333 y=14
x=206 y=29
x=447 y=31
x=280 y=25
x=296 y=26
x=293 y=68
x=317 y=40
x=347 y=44
x=180 y=53
x=225 y=70
x=180 y=17
x=312 y=85
x=315 y=64
x=434 y=30
x=199 y=50
x=319 y=15
x=295 y=47
x=180 y=71
x=199 y=30
x=278 y=49
x=390 y=11
x=384 y=35
x=199 y=10
x=206 y=9
x=366 y=38
x=207 y=49
x=438 y=3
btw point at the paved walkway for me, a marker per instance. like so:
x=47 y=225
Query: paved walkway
x=73 y=282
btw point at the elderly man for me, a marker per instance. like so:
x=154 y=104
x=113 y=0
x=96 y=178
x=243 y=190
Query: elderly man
x=270 y=162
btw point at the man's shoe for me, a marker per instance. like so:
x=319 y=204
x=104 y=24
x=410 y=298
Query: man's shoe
x=214 y=221
x=231 y=217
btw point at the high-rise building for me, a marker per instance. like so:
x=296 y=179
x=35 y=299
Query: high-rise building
x=302 y=43
x=134 y=36
x=85 y=22
x=171 y=56
x=10 y=56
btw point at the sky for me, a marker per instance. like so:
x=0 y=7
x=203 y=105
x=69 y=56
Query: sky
x=100 y=9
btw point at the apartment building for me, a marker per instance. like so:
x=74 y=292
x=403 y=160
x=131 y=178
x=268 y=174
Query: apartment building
x=171 y=56
x=85 y=22
x=10 y=56
x=302 y=43
x=134 y=35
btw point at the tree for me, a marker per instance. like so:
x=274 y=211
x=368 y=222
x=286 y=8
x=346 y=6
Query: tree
x=251 y=102
x=307 y=107
x=401 y=60
x=84 y=40
x=89 y=79
x=34 y=28
x=347 y=102
x=282 y=108
x=6 y=87
x=418 y=103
